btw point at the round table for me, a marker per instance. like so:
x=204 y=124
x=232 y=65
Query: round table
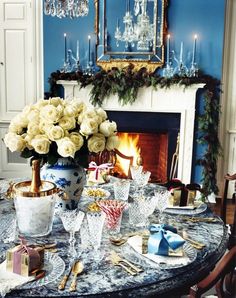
x=109 y=281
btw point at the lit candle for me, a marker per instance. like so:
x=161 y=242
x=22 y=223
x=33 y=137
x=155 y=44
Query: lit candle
x=65 y=46
x=168 y=49
x=194 y=48
x=181 y=52
x=89 y=38
x=77 y=50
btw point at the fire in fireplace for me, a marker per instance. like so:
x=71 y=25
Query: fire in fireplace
x=150 y=149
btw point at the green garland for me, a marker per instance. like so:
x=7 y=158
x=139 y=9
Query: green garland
x=126 y=83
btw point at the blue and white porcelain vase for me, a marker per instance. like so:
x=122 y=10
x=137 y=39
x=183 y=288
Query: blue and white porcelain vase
x=69 y=177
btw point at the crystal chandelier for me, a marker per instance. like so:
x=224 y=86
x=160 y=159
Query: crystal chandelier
x=141 y=32
x=66 y=8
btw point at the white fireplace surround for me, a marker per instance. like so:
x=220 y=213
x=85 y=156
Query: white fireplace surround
x=177 y=99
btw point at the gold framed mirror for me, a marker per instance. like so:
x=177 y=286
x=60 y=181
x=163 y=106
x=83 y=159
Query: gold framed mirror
x=130 y=32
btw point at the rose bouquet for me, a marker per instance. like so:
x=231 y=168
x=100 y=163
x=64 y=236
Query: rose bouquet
x=56 y=128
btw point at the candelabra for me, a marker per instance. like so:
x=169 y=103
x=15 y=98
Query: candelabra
x=66 y=8
x=141 y=32
x=181 y=69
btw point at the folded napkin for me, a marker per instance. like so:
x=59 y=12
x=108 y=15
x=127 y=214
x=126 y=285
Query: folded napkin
x=9 y=280
x=136 y=243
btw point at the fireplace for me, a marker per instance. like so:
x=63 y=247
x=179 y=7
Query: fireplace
x=175 y=100
x=152 y=136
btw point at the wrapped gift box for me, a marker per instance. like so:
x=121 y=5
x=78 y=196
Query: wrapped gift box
x=24 y=259
x=98 y=174
x=181 y=194
x=163 y=240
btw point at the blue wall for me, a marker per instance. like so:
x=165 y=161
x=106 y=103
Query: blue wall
x=185 y=18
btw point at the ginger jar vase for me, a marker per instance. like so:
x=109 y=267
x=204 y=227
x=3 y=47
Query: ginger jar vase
x=70 y=178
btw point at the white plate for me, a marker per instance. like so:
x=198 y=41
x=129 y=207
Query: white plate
x=54 y=267
x=186 y=211
x=89 y=196
x=165 y=262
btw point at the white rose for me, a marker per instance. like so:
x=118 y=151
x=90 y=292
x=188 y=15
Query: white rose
x=96 y=143
x=102 y=114
x=44 y=125
x=108 y=128
x=33 y=128
x=55 y=101
x=15 y=128
x=88 y=127
x=112 y=143
x=18 y=123
x=55 y=133
x=41 y=103
x=77 y=139
x=33 y=115
x=66 y=148
x=90 y=113
x=28 y=139
x=41 y=144
x=73 y=107
x=14 y=142
x=50 y=113
x=67 y=123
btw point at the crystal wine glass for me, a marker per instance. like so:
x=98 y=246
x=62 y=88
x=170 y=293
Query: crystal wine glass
x=95 y=227
x=162 y=195
x=72 y=220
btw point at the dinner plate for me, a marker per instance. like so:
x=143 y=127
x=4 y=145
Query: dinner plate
x=165 y=262
x=54 y=267
x=96 y=193
x=186 y=211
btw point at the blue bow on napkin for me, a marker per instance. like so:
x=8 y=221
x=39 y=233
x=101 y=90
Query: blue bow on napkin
x=162 y=238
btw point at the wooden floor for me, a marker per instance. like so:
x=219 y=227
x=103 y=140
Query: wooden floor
x=230 y=210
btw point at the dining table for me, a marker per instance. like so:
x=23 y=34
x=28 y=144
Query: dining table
x=102 y=278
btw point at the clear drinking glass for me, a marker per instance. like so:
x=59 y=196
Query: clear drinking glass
x=135 y=171
x=140 y=208
x=121 y=189
x=95 y=228
x=113 y=210
x=72 y=220
x=162 y=199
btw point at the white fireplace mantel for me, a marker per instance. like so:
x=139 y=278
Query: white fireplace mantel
x=177 y=99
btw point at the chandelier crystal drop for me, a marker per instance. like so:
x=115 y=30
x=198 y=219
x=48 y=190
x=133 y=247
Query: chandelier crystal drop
x=66 y=8
x=140 y=32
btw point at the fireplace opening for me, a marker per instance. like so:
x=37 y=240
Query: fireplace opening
x=148 y=149
x=155 y=135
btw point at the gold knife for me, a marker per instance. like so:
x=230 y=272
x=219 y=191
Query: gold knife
x=63 y=282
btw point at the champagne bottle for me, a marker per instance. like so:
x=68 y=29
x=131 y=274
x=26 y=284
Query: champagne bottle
x=36 y=181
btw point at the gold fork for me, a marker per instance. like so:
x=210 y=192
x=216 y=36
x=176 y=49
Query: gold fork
x=116 y=258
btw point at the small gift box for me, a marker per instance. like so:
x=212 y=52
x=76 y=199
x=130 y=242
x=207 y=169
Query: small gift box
x=181 y=194
x=23 y=259
x=163 y=240
x=98 y=174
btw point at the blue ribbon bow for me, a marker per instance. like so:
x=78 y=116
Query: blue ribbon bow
x=162 y=238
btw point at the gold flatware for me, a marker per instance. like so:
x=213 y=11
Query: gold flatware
x=123 y=239
x=77 y=269
x=63 y=282
x=200 y=219
x=115 y=258
x=194 y=243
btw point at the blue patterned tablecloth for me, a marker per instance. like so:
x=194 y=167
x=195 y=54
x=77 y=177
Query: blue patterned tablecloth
x=109 y=281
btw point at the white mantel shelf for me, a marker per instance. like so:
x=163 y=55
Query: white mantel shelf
x=176 y=99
